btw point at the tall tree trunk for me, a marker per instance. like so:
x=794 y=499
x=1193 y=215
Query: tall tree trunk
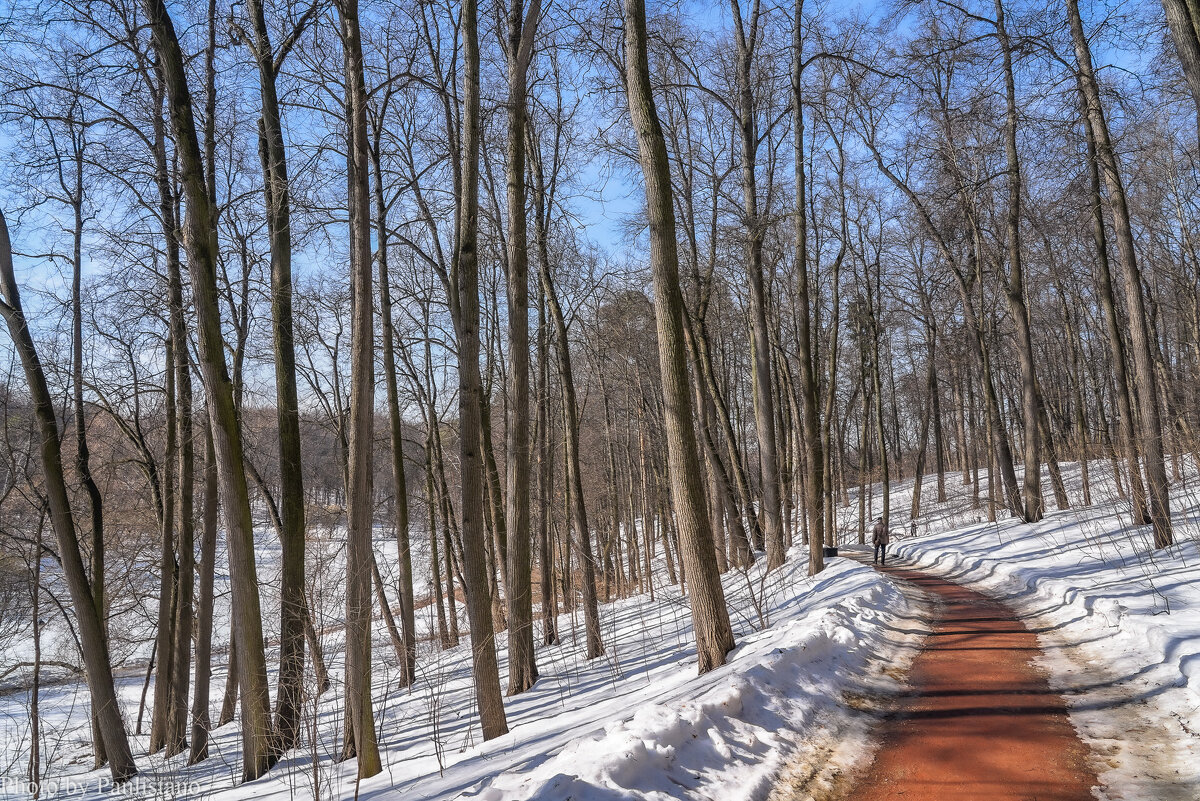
x=494 y=517
x=566 y=380
x=489 y=700
x=277 y=195
x=35 y=689
x=181 y=654
x=579 y=516
x=760 y=343
x=408 y=619
x=522 y=668
x=447 y=509
x=204 y=604
x=919 y=471
x=960 y=411
x=864 y=443
x=938 y=439
x=1114 y=329
x=168 y=567
x=710 y=617
x=1015 y=289
x=545 y=458
x=1081 y=422
x=360 y=489
x=95 y=503
x=202 y=255
x=877 y=390
x=431 y=508
x=809 y=383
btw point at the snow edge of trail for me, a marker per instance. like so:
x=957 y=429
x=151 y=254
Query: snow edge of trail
x=728 y=734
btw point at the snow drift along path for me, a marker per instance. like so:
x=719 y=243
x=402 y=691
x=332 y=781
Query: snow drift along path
x=727 y=734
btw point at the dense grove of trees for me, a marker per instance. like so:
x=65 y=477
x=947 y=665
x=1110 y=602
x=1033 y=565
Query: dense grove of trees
x=560 y=293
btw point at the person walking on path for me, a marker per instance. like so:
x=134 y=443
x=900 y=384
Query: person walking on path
x=880 y=539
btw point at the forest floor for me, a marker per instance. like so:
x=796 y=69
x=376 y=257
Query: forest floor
x=798 y=704
x=636 y=723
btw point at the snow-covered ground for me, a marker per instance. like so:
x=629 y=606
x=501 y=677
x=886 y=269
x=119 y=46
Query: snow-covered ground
x=1120 y=625
x=636 y=723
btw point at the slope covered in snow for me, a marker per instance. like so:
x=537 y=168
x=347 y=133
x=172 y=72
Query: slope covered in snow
x=1120 y=625
x=637 y=722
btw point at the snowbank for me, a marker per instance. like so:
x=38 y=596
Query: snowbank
x=725 y=735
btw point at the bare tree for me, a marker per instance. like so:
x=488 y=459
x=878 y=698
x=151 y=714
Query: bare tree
x=360 y=478
x=1151 y=439
x=522 y=669
x=465 y=285
x=710 y=617
x=277 y=196
x=227 y=434
x=91 y=632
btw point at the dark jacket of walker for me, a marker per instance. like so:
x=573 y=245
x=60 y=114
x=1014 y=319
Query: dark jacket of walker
x=879 y=534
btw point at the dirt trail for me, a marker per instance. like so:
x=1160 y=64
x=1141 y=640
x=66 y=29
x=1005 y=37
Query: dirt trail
x=978 y=722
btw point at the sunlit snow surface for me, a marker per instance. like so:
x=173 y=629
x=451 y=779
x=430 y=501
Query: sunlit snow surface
x=639 y=723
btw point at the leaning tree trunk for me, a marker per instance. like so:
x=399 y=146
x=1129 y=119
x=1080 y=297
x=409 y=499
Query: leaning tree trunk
x=1115 y=332
x=1143 y=359
x=710 y=617
x=1183 y=18
x=202 y=255
x=96 y=663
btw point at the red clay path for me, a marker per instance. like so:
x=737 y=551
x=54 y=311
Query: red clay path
x=979 y=722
